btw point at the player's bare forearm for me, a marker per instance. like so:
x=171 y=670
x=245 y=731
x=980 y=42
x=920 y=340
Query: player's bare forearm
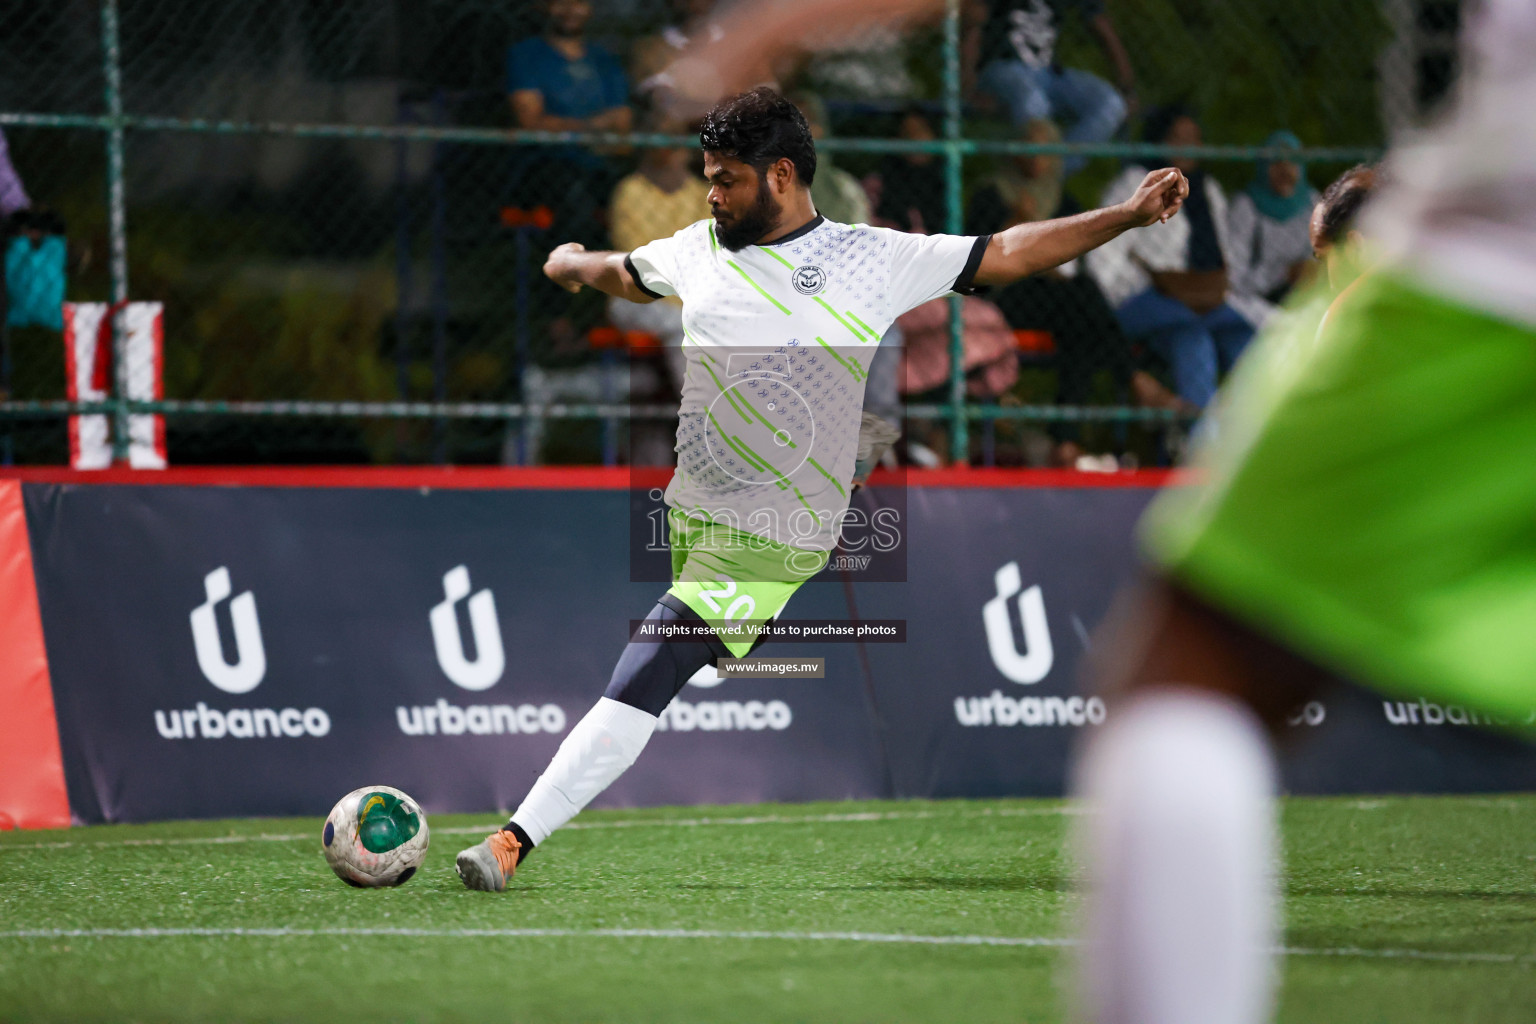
x=529 y=114
x=754 y=36
x=571 y=266
x=1026 y=249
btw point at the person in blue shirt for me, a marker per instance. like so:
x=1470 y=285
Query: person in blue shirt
x=1008 y=54
x=562 y=82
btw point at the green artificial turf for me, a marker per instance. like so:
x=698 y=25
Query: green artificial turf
x=1453 y=878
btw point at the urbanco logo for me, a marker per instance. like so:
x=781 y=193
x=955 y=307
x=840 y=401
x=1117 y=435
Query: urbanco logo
x=490 y=659
x=1035 y=663
x=722 y=716
x=243 y=676
x=250 y=664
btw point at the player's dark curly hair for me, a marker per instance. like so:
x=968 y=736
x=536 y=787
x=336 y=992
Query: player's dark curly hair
x=1342 y=200
x=759 y=128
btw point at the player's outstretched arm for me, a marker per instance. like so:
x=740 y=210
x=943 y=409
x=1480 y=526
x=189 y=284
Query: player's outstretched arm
x=1026 y=249
x=753 y=36
x=570 y=266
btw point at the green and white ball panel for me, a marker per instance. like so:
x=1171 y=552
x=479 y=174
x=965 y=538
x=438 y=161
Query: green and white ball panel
x=375 y=836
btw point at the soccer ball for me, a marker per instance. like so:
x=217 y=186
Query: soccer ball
x=375 y=836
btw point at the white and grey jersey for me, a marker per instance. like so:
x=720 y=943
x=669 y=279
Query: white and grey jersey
x=1459 y=203
x=778 y=340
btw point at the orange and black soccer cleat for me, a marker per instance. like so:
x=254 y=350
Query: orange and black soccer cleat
x=489 y=864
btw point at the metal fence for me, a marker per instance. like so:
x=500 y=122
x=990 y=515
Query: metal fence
x=345 y=225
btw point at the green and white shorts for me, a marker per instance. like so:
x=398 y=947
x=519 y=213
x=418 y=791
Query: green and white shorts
x=733 y=579
x=1370 y=496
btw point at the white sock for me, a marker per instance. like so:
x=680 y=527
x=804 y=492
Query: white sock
x=598 y=750
x=1181 y=856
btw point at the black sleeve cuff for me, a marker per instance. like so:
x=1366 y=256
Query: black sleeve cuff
x=634 y=274
x=965 y=284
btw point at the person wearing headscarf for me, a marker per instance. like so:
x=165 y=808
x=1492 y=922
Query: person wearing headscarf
x=1268 y=225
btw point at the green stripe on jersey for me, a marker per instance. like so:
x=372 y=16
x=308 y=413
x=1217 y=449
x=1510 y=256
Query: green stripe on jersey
x=748 y=456
x=768 y=465
x=743 y=406
x=748 y=278
x=829 y=476
x=729 y=397
x=783 y=482
x=758 y=413
x=852 y=316
x=776 y=256
x=851 y=366
x=743 y=410
x=749 y=459
x=851 y=329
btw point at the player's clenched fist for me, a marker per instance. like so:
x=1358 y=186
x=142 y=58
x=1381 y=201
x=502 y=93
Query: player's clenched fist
x=558 y=266
x=1159 y=197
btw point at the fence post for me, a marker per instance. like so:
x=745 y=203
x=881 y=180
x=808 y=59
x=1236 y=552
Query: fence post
x=439 y=284
x=960 y=442
x=403 y=115
x=117 y=225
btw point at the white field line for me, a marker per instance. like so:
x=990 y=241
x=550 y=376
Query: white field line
x=1032 y=941
x=812 y=819
x=532 y=933
x=468 y=830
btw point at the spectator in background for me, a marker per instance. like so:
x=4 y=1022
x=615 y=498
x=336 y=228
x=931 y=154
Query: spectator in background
x=1024 y=188
x=911 y=191
x=663 y=196
x=1170 y=286
x=562 y=82
x=838 y=196
x=911 y=186
x=35 y=264
x=991 y=361
x=13 y=196
x=1008 y=53
x=1063 y=301
x=1269 y=226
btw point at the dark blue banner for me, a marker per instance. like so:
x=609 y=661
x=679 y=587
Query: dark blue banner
x=261 y=651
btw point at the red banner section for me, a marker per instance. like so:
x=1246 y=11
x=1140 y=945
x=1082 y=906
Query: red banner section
x=32 y=791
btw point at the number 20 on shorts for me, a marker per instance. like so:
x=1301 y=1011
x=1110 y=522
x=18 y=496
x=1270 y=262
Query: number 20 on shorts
x=737 y=610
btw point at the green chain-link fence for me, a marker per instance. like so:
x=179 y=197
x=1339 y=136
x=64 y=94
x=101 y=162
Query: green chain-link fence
x=337 y=206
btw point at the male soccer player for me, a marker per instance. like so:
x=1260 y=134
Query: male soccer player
x=782 y=310
x=1367 y=508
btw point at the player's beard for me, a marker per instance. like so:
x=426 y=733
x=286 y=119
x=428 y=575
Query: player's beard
x=748 y=227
